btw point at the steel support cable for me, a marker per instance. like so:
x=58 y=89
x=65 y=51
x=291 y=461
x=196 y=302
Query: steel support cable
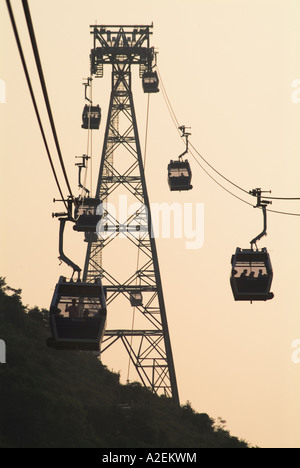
x=231 y=193
x=146 y=131
x=168 y=103
x=217 y=172
x=91 y=165
x=84 y=187
x=44 y=88
x=89 y=146
x=271 y=198
x=10 y=11
x=218 y=183
x=176 y=123
x=245 y=191
x=284 y=213
x=282 y=198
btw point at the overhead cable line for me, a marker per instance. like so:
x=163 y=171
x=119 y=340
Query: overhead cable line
x=239 y=198
x=14 y=26
x=168 y=103
x=44 y=88
x=219 y=173
x=218 y=183
x=283 y=198
x=284 y=213
x=89 y=149
x=176 y=123
x=146 y=131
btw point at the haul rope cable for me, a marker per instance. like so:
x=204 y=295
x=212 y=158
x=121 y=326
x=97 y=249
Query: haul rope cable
x=89 y=150
x=176 y=123
x=17 y=37
x=169 y=106
x=44 y=88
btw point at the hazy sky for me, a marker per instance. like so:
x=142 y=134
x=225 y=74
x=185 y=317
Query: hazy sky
x=230 y=68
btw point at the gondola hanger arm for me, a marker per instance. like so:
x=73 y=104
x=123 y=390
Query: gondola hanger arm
x=185 y=135
x=86 y=85
x=263 y=205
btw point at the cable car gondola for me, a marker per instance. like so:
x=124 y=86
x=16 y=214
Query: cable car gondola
x=179 y=172
x=252 y=273
x=77 y=316
x=150 y=82
x=179 y=175
x=88 y=213
x=91 y=117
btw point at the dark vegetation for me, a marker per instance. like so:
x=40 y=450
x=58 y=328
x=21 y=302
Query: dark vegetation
x=65 y=399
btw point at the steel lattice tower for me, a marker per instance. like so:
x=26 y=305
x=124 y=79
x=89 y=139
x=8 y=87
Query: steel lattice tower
x=121 y=173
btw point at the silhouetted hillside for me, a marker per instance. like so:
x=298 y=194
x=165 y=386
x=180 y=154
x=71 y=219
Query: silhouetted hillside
x=52 y=398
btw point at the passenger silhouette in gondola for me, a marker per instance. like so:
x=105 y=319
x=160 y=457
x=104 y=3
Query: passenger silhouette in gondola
x=85 y=314
x=261 y=274
x=73 y=309
x=244 y=274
